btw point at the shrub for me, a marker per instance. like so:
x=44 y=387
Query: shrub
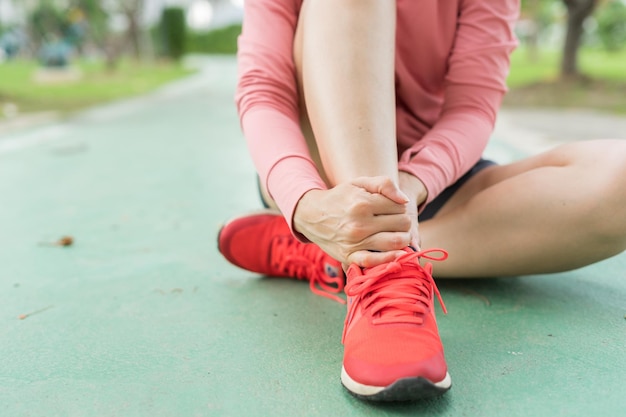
x=173 y=31
x=218 y=41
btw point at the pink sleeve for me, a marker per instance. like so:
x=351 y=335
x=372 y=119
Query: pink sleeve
x=267 y=101
x=474 y=86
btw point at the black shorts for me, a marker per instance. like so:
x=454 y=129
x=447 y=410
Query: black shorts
x=434 y=206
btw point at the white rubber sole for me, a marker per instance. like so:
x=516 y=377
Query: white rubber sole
x=405 y=389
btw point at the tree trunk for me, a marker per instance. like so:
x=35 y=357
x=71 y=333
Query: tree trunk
x=577 y=12
x=134 y=35
x=112 y=50
x=132 y=10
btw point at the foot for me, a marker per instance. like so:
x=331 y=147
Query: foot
x=263 y=243
x=392 y=349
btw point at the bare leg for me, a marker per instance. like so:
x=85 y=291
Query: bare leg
x=339 y=48
x=344 y=59
x=552 y=212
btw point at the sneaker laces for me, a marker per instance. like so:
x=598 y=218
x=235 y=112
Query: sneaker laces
x=304 y=261
x=397 y=292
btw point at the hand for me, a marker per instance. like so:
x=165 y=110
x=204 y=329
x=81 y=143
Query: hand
x=417 y=194
x=363 y=221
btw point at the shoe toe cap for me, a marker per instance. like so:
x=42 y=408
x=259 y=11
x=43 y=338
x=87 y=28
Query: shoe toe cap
x=381 y=374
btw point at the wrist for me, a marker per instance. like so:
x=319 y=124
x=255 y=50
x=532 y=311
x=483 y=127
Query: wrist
x=413 y=187
x=303 y=211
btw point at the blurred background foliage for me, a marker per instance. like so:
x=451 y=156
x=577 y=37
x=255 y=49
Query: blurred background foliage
x=572 y=52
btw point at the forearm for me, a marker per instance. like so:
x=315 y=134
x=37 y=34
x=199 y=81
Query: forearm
x=281 y=157
x=456 y=141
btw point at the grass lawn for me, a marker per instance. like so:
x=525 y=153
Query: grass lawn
x=532 y=83
x=18 y=84
x=536 y=83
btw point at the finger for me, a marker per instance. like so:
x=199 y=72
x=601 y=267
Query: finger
x=369 y=259
x=416 y=241
x=388 y=223
x=382 y=185
x=368 y=232
x=384 y=242
x=383 y=205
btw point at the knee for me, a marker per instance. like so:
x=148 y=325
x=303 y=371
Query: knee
x=601 y=167
x=604 y=163
x=601 y=161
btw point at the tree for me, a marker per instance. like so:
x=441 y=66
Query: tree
x=612 y=25
x=47 y=23
x=99 y=34
x=577 y=12
x=98 y=19
x=132 y=9
x=113 y=44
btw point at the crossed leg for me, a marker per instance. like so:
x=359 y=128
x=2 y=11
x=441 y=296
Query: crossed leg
x=556 y=211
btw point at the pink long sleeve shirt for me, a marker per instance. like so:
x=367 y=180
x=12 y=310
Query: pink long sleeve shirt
x=451 y=63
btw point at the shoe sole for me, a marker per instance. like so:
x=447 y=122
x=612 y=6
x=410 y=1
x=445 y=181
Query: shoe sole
x=405 y=389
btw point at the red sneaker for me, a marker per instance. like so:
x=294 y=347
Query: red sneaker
x=263 y=243
x=392 y=349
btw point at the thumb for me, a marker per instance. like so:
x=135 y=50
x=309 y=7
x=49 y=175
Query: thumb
x=382 y=185
x=416 y=241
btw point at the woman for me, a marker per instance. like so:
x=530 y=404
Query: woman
x=360 y=114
